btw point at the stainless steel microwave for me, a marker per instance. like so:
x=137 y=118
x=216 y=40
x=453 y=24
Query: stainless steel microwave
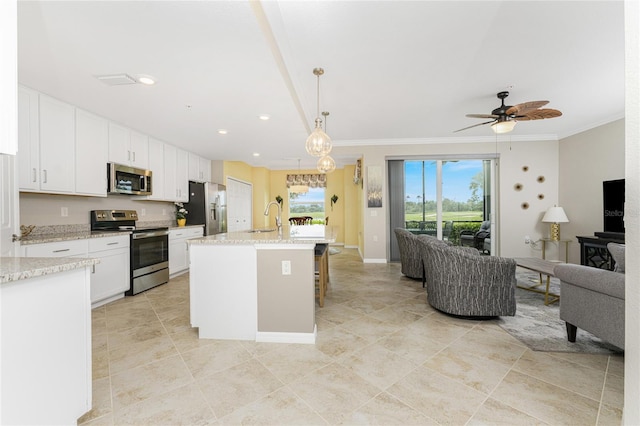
x=128 y=180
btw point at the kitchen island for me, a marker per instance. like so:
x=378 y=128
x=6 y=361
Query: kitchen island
x=256 y=285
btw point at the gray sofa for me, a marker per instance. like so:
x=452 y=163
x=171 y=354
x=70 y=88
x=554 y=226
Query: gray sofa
x=592 y=299
x=461 y=282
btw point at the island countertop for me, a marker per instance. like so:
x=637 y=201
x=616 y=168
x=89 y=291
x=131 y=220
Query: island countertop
x=22 y=268
x=291 y=234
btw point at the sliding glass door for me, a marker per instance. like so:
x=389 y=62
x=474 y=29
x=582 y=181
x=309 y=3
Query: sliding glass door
x=443 y=198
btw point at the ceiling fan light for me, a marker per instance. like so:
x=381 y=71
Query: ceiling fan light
x=318 y=143
x=500 y=127
x=326 y=164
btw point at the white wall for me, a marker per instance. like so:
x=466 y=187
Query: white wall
x=541 y=158
x=44 y=209
x=586 y=160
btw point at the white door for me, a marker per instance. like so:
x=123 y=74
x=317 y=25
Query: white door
x=239 y=205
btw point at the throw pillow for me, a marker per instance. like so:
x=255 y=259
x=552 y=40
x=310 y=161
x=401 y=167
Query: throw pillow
x=617 y=252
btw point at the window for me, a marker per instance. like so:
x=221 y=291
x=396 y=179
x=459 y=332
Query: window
x=309 y=204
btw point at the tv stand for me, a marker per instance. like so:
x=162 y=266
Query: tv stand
x=593 y=250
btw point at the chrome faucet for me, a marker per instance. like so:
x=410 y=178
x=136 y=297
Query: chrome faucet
x=278 y=217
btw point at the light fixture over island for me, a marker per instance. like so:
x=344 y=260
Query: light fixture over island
x=256 y=285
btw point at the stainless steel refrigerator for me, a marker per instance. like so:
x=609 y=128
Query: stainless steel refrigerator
x=207 y=206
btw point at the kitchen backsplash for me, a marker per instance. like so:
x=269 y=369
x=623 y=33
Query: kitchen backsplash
x=72 y=211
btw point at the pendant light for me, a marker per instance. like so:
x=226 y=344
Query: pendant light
x=326 y=164
x=318 y=143
x=299 y=189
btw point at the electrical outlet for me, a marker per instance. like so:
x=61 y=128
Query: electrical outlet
x=64 y=211
x=143 y=212
x=375 y=238
x=527 y=239
x=286 y=267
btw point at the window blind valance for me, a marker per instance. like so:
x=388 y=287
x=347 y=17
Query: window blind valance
x=311 y=180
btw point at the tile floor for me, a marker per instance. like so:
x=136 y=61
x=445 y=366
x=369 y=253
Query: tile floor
x=382 y=356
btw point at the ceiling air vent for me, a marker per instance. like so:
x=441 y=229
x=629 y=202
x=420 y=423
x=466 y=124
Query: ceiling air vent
x=116 y=79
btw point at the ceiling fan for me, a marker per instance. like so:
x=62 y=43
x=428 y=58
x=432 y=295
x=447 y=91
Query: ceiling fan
x=504 y=118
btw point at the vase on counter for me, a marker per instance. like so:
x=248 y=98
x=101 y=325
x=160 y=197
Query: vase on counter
x=182 y=222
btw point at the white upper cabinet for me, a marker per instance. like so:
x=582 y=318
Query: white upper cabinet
x=92 y=138
x=128 y=147
x=156 y=165
x=28 y=140
x=182 y=175
x=199 y=168
x=170 y=186
x=57 y=146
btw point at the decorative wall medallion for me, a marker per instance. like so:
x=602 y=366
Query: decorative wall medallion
x=540 y=196
x=525 y=168
x=540 y=179
x=524 y=206
x=517 y=187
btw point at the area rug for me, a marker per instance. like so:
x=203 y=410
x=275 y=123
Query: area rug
x=539 y=326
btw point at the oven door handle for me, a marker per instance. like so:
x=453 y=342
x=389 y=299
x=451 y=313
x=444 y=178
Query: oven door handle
x=150 y=234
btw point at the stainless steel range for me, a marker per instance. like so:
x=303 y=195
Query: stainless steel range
x=149 y=258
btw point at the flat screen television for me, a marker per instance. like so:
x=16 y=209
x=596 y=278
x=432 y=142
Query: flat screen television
x=613 y=203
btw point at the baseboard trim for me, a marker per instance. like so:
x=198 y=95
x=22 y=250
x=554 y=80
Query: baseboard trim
x=283 y=337
x=374 y=260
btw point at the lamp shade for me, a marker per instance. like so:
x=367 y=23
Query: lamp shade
x=503 y=126
x=555 y=215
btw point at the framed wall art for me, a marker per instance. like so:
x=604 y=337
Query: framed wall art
x=374 y=186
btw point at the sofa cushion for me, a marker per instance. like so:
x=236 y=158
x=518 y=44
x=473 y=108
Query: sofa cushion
x=617 y=252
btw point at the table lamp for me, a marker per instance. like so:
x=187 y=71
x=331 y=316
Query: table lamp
x=555 y=215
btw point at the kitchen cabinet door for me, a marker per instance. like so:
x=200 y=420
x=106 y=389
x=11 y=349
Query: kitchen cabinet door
x=182 y=175
x=199 y=168
x=156 y=165
x=205 y=170
x=92 y=138
x=119 y=144
x=170 y=185
x=110 y=277
x=57 y=146
x=179 y=249
x=139 y=150
x=28 y=140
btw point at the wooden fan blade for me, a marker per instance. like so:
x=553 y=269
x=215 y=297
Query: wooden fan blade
x=539 y=114
x=475 y=125
x=482 y=116
x=525 y=107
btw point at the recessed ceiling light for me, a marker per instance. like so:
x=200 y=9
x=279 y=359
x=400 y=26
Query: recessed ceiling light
x=256 y=154
x=264 y=117
x=145 y=79
x=222 y=131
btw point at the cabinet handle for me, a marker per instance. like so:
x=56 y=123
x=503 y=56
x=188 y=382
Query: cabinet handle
x=113 y=244
x=128 y=155
x=61 y=250
x=134 y=156
x=93 y=269
x=34 y=174
x=44 y=172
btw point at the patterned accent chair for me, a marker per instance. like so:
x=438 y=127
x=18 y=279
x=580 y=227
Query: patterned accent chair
x=410 y=259
x=462 y=282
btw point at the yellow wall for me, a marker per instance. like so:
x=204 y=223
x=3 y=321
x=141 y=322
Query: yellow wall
x=267 y=184
x=261 y=178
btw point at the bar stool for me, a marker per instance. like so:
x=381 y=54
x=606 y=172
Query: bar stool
x=321 y=271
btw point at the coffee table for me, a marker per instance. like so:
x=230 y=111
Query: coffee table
x=542 y=267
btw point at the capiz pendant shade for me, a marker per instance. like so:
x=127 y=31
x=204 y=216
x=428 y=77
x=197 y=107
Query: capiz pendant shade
x=326 y=164
x=318 y=143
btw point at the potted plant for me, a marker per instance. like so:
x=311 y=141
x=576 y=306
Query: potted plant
x=181 y=214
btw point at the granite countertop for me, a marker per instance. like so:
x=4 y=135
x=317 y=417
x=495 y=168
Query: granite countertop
x=68 y=236
x=185 y=227
x=303 y=234
x=21 y=268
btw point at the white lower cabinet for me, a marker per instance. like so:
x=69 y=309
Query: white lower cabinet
x=179 y=249
x=110 y=278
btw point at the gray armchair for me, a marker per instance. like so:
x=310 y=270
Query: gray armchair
x=592 y=299
x=410 y=260
x=461 y=282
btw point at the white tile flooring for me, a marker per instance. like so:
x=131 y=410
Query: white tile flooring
x=382 y=356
